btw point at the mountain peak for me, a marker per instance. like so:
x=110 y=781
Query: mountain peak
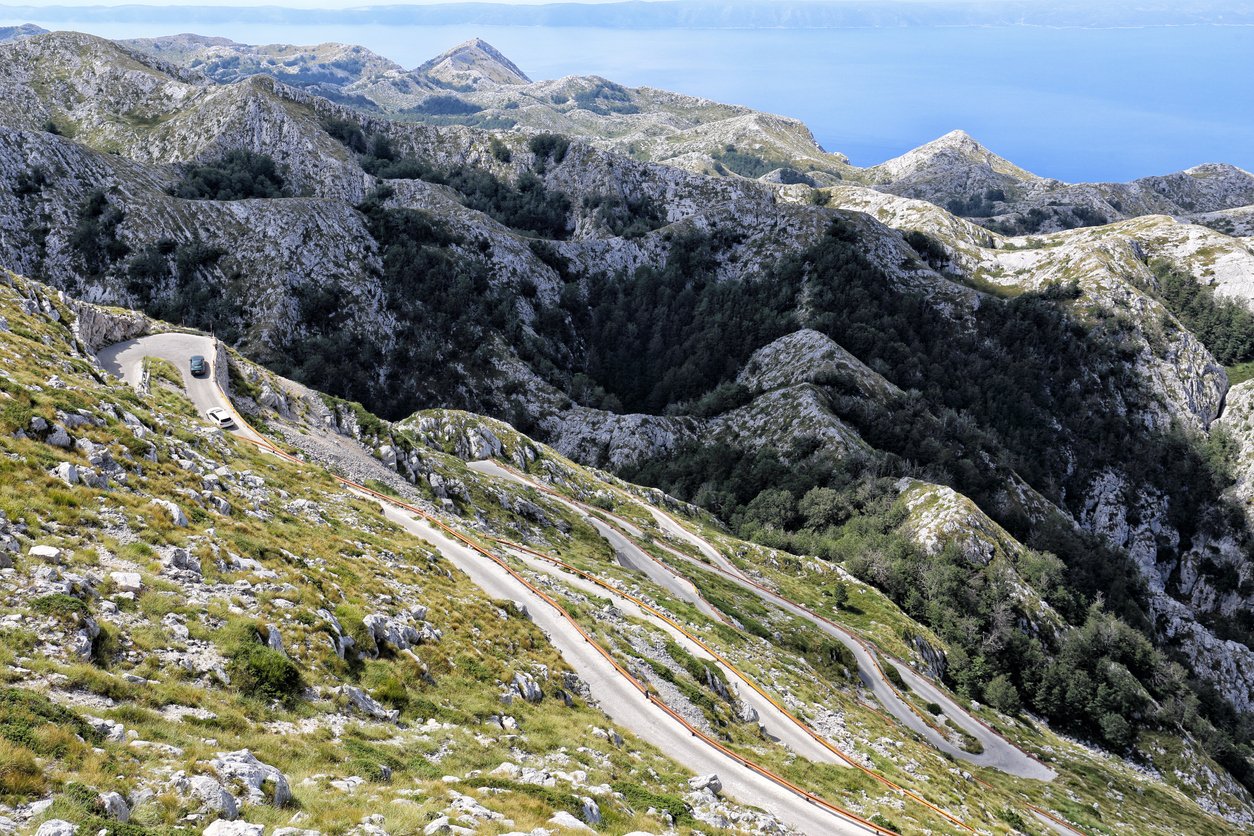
x=25 y=30
x=955 y=150
x=474 y=63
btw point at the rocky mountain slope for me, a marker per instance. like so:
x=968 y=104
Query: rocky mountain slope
x=834 y=370
x=198 y=630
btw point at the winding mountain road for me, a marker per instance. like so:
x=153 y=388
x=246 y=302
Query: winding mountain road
x=625 y=704
x=614 y=690
x=998 y=753
x=775 y=723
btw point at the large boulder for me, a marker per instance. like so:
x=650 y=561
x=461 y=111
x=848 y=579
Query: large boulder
x=209 y=795
x=115 y=807
x=367 y=705
x=261 y=782
x=400 y=632
x=57 y=827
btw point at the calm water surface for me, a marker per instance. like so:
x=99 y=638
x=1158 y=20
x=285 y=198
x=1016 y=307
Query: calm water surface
x=1076 y=104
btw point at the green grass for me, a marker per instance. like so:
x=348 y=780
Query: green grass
x=1240 y=373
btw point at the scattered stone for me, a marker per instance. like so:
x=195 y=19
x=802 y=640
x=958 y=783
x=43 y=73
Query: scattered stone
x=274 y=640
x=590 y=811
x=367 y=705
x=59 y=437
x=110 y=730
x=181 y=560
x=440 y=825
x=527 y=687
x=401 y=632
x=48 y=554
x=66 y=472
x=176 y=513
x=212 y=796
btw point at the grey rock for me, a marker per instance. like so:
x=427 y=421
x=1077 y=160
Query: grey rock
x=127 y=581
x=589 y=811
x=366 y=704
x=66 y=472
x=211 y=795
x=709 y=782
x=274 y=640
x=57 y=827
x=59 y=437
x=527 y=687
x=48 y=554
x=176 y=513
x=261 y=781
x=115 y=806
x=564 y=819
x=181 y=561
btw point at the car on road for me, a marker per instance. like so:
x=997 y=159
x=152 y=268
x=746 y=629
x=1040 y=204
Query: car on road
x=221 y=417
x=198 y=365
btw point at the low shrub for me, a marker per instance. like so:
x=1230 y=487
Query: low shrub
x=259 y=670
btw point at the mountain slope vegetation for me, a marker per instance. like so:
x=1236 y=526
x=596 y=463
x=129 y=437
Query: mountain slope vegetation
x=793 y=354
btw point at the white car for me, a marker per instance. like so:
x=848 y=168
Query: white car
x=221 y=417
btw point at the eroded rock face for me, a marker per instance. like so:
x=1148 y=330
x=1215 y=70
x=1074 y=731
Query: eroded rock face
x=1238 y=422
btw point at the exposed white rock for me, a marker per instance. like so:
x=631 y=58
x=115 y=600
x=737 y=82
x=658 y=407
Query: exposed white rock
x=367 y=705
x=527 y=687
x=223 y=827
x=176 y=513
x=262 y=783
x=48 y=554
x=57 y=827
x=709 y=782
x=131 y=582
x=565 y=820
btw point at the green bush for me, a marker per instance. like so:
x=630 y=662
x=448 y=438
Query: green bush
x=640 y=799
x=64 y=608
x=258 y=670
x=1225 y=326
x=1002 y=695
x=239 y=175
x=894 y=676
x=95 y=235
x=549 y=147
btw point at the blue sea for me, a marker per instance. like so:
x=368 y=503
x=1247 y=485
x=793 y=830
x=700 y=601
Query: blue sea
x=1075 y=104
